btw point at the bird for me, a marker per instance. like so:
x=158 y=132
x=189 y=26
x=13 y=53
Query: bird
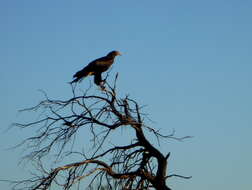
x=96 y=68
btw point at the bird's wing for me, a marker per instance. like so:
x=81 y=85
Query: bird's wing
x=95 y=67
x=102 y=64
x=101 y=59
x=84 y=72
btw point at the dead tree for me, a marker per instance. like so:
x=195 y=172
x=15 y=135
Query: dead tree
x=136 y=165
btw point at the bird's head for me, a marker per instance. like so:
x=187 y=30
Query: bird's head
x=113 y=53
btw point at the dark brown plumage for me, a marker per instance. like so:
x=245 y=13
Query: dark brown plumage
x=96 y=68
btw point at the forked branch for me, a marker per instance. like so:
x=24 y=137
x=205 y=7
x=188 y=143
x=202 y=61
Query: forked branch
x=137 y=165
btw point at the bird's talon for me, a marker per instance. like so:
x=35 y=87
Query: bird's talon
x=102 y=88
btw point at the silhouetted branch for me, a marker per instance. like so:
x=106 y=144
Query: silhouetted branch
x=137 y=165
x=180 y=176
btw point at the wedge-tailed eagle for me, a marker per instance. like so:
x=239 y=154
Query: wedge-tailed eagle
x=96 y=68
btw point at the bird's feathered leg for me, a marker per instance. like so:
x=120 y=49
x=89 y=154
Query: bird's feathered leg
x=98 y=80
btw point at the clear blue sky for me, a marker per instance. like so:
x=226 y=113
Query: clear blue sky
x=189 y=61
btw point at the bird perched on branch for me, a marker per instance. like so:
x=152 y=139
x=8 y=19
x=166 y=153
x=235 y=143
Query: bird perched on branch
x=96 y=68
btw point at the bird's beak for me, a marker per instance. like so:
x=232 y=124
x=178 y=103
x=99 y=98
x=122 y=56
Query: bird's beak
x=118 y=53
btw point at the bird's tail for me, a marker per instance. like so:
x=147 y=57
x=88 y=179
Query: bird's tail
x=75 y=80
x=81 y=75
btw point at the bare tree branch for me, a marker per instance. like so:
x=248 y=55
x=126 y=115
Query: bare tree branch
x=137 y=165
